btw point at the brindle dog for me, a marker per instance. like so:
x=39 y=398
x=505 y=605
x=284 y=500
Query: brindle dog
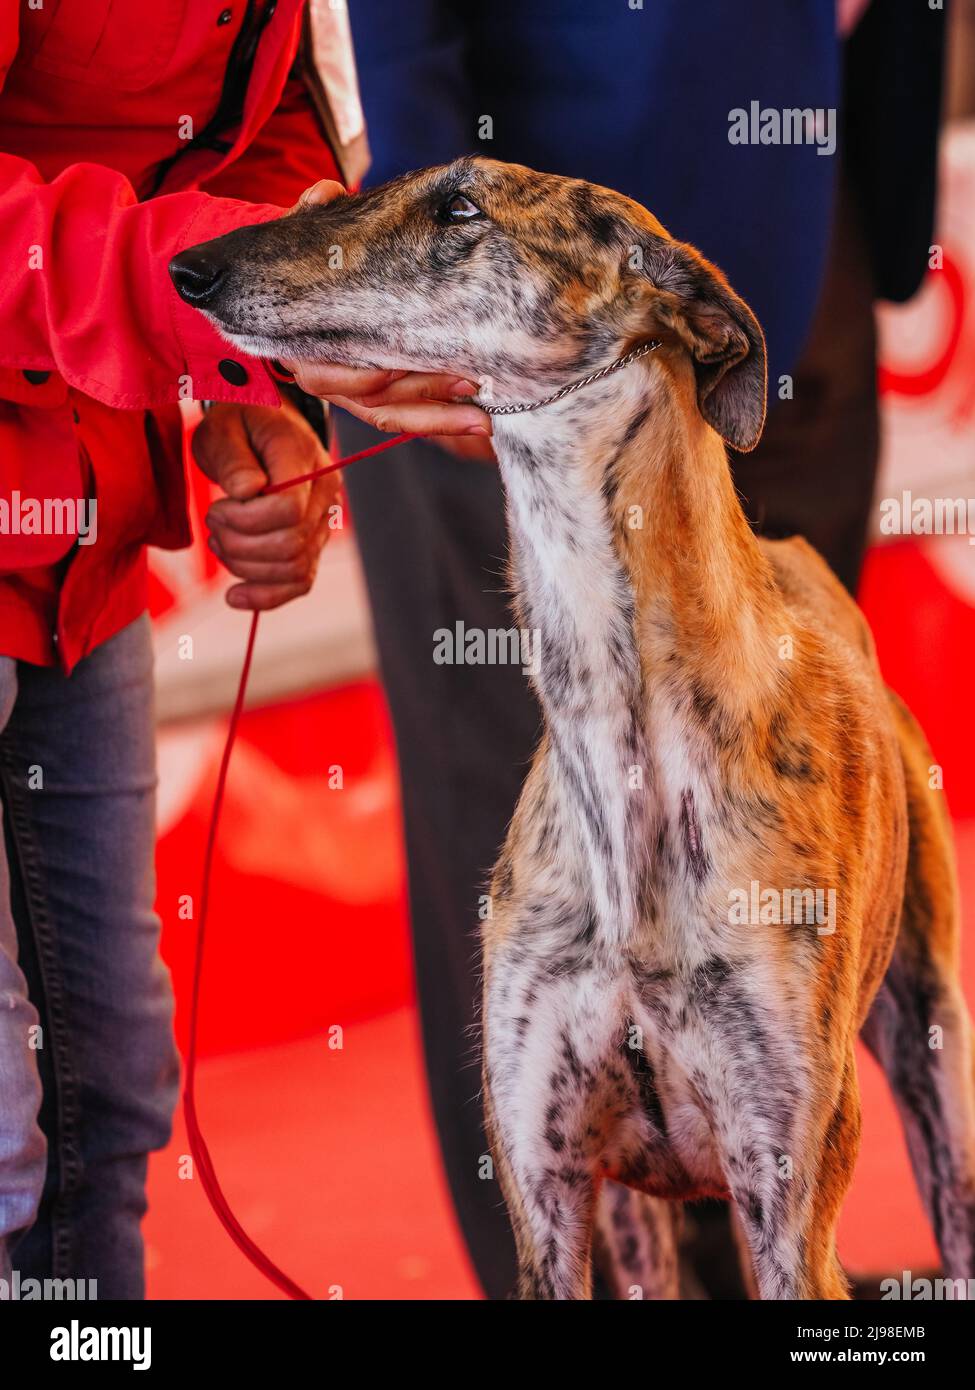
x=717 y=733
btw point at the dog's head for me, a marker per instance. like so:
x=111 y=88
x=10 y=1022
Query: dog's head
x=522 y=280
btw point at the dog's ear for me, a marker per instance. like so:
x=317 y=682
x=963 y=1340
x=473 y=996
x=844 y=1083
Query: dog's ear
x=691 y=297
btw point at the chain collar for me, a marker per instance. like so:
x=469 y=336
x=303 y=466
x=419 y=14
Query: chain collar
x=616 y=366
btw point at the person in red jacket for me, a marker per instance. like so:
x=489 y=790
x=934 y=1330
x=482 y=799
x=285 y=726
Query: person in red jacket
x=128 y=132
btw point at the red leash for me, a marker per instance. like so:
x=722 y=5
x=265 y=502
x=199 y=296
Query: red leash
x=198 y=1145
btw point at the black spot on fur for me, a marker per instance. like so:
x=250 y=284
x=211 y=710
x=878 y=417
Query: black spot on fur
x=597 y=221
x=791 y=757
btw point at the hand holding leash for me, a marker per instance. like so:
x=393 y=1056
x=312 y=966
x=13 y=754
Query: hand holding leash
x=270 y=543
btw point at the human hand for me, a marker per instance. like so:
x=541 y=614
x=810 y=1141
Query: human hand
x=270 y=543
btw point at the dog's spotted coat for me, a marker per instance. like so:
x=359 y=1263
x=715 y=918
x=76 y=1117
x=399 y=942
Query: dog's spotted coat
x=714 y=717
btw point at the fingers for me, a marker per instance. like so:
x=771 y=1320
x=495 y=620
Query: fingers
x=261 y=597
x=272 y=528
x=328 y=379
x=324 y=379
x=428 y=417
x=418 y=386
x=282 y=556
x=397 y=402
x=293 y=571
x=274 y=576
x=260 y=515
x=263 y=525
x=268 y=585
x=276 y=567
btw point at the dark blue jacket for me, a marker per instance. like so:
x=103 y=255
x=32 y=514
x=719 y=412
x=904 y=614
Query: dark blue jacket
x=637 y=99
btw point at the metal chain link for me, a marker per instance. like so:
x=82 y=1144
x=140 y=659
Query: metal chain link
x=620 y=362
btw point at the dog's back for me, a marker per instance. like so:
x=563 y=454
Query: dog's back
x=928 y=924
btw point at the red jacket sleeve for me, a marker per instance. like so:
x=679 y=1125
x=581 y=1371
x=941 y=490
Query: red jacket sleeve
x=85 y=289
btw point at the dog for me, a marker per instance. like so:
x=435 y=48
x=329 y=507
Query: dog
x=716 y=734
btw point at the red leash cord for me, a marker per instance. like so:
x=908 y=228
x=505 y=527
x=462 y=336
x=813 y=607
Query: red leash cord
x=198 y=1145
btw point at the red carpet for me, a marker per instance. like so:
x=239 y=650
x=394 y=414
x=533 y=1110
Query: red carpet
x=329 y=1159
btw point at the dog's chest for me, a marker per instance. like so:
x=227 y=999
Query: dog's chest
x=695 y=1038
x=642 y=835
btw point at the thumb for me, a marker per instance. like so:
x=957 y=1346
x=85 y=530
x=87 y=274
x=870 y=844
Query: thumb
x=242 y=476
x=224 y=452
x=324 y=191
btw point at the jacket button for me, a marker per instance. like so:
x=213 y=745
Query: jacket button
x=225 y=16
x=232 y=371
x=272 y=6
x=36 y=378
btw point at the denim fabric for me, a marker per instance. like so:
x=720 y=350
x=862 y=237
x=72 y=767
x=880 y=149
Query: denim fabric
x=87 y=1057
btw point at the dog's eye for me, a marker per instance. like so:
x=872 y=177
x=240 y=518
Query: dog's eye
x=459 y=209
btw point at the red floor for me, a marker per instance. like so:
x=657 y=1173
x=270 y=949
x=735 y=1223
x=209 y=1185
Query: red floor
x=328 y=1155
x=329 y=1161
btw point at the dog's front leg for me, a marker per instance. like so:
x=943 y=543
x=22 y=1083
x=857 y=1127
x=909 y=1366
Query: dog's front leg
x=552 y=1215
x=548 y=1064
x=788 y=1202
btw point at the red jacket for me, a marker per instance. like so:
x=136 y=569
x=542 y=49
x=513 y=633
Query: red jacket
x=96 y=347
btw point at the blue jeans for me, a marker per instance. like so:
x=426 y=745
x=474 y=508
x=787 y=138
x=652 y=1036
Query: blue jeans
x=88 y=1065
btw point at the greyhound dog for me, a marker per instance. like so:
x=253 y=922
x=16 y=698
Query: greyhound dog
x=719 y=748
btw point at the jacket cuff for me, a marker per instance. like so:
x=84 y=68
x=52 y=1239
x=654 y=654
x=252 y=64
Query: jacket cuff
x=214 y=369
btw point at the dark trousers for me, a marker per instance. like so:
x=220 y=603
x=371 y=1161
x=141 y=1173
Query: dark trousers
x=431 y=532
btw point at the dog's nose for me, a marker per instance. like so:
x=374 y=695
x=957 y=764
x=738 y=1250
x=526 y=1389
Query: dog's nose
x=197 y=275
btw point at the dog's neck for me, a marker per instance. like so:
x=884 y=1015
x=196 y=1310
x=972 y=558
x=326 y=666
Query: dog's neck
x=635 y=567
x=629 y=543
